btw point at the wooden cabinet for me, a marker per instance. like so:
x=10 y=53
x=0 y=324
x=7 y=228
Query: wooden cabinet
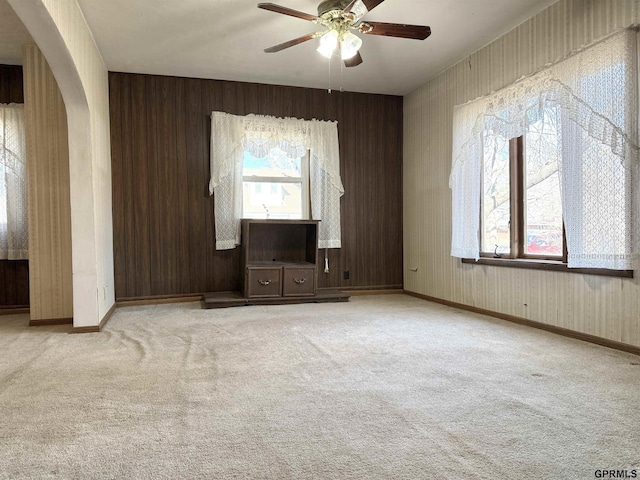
x=279 y=258
x=279 y=264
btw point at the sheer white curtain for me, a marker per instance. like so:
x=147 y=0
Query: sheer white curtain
x=232 y=135
x=14 y=231
x=595 y=95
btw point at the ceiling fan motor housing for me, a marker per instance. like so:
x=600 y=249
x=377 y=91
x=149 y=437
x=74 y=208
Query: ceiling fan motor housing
x=328 y=6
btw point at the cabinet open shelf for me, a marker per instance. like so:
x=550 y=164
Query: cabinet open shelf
x=284 y=241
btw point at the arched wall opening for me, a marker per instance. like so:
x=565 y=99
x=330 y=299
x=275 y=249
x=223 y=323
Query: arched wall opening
x=59 y=29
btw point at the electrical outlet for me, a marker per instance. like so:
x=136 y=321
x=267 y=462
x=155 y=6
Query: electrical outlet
x=346 y=275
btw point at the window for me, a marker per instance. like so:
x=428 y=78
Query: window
x=286 y=154
x=14 y=234
x=275 y=186
x=548 y=168
x=521 y=204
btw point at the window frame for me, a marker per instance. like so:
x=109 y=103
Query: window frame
x=517 y=210
x=304 y=180
x=517 y=258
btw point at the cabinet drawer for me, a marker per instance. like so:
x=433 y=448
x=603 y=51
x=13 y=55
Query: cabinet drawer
x=299 y=281
x=263 y=282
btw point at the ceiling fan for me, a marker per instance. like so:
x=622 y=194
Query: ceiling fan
x=339 y=17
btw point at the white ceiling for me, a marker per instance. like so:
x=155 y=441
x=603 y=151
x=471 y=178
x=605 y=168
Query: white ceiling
x=224 y=39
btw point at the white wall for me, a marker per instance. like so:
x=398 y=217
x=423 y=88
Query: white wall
x=603 y=306
x=61 y=32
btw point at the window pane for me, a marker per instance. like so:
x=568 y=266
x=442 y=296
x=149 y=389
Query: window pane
x=496 y=211
x=272 y=200
x=277 y=164
x=543 y=204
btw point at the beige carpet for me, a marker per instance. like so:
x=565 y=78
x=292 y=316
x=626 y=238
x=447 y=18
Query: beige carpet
x=382 y=387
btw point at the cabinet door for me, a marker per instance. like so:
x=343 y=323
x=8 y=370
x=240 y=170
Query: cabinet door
x=263 y=282
x=299 y=281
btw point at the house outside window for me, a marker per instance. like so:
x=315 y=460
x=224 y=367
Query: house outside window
x=275 y=186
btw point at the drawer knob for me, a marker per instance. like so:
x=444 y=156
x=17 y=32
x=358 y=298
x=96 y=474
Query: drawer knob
x=264 y=283
x=299 y=281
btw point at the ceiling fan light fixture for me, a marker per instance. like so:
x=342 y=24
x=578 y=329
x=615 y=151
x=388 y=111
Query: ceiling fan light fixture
x=349 y=45
x=328 y=43
x=338 y=17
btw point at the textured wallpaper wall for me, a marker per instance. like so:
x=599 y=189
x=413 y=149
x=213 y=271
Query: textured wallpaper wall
x=603 y=306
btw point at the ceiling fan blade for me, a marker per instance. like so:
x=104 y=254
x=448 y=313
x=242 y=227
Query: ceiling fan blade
x=416 y=32
x=290 y=43
x=272 y=7
x=354 y=61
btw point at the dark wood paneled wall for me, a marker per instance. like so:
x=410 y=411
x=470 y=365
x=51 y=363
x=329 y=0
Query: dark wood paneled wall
x=164 y=240
x=11 y=87
x=14 y=283
x=14 y=274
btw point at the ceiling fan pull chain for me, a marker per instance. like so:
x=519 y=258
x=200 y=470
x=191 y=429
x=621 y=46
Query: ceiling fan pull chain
x=329 y=76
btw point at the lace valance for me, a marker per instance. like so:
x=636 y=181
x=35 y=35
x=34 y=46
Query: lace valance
x=572 y=85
